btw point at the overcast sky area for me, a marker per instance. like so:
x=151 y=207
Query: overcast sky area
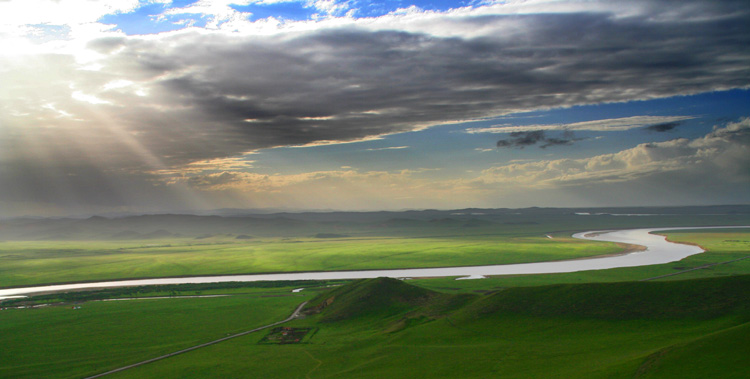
x=165 y=106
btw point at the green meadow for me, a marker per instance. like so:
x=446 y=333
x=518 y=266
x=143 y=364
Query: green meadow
x=40 y=262
x=725 y=250
x=64 y=341
x=694 y=324
x=48 y=251
x=385 y=328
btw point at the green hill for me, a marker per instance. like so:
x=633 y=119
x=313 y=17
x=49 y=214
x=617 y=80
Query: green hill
x=699 y=298
x=379 y=328
x=389 y=328
x=370 y=298
x=694 y=299
x=725 y=351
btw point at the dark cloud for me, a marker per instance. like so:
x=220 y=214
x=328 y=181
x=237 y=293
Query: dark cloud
x=106 y=45
x=203 y=95
x=523 y=139
x=71 y=188
x=224 y=94
x=663 y=127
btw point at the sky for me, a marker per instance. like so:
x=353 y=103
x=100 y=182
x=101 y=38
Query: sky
x=153 y=106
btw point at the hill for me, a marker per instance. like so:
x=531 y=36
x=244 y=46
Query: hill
x=382 y=327
x=389 y=328
x=370 y=298
x=698 y=298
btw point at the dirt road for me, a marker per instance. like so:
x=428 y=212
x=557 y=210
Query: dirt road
x=291 y=317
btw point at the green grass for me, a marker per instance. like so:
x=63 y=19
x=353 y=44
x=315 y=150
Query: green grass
x=371 y=298
x=29 y=263
x=61 y=342
x=720 y=245
x=689 y=325
x=517 y=333
x=725 y=351
x=388 y=328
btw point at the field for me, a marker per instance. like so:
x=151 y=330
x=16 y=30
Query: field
x=721 y=246
x=61 y=251
x=63 y=342
x=27 y=263
x=507 y=334
x=592 y=324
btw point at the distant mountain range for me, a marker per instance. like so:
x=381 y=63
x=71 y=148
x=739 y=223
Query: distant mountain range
x=243 y=224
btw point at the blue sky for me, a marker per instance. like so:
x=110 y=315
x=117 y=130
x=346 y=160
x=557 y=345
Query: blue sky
x=158 y=105
x=146 y=18
x=449 y=147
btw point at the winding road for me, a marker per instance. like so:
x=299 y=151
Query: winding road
x=657 y=251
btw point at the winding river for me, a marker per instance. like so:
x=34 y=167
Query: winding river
x=658 y=251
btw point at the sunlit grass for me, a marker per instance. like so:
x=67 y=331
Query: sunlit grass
x=556 y=336
x=720 y=246
x=26 y=263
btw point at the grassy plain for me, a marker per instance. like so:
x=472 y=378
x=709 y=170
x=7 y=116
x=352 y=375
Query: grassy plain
x=560 y=325
x=723 y=245
x=547 y=331
x=70 y=250
x=62 y=342
x=584 y=329
x=28 y=263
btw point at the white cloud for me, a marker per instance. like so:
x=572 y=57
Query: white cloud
x=223 y=15
x=190 y=95
x=346 y=188
x=722 y=155
x=219 y=11
x=389 y=148
x=62 y=12
x=330 y=7
x=208 y=167
x=91 y=99
x=604 y=125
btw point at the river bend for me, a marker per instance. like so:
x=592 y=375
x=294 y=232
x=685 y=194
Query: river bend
x=658 y=251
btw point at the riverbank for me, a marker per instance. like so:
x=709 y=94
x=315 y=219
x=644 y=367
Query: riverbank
x=658 y=251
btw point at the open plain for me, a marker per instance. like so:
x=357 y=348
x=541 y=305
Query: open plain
x=628 y=322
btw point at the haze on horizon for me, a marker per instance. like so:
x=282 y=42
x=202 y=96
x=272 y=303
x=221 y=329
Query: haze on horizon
x=159 y=105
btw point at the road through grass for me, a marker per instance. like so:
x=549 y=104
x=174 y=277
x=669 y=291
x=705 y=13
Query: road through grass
x=294 y=315
x=549 y=331
x=62 y=342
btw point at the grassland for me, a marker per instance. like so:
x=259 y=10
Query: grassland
x=596 y=324
x=70 y=250
x=513 y=327
x=28 y=263
x=63 y=342
x=720 y=245
x=619 y=330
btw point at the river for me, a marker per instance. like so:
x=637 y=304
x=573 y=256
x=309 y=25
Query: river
x=658 y=251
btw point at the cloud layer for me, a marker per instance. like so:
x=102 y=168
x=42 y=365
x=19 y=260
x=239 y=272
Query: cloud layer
x=705 y=168
x=195 y=95
x=523 y=139
x=104 y=110
x=722 y=156
x=655 y=123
